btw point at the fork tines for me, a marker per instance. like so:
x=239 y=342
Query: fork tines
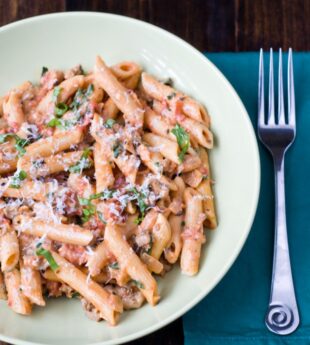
x=271 y=118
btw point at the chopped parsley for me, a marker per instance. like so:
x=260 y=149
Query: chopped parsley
x=56 y=93
x=60 y=109
x=100 y=216
x=106 y=194
x=81 y=96
x=54 y=122
x=48 y=256
x=83 y=163
x=17 y=178
x=182 y=223
x=44 y=70
x=117 y=149
x=114 y=265
x=140 y=198
x=109 y=123
x=169 y=97
x=182 y=139
x=20 y=143
x=88 y=210
x=138 y=283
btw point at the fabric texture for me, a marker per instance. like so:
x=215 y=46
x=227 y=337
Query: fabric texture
x=234 y=311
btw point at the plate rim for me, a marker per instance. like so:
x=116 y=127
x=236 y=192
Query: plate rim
x=255 y=198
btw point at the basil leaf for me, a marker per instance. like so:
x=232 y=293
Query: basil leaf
x=138 y=284
x=56 y=93
x=182 y=139
x=55 y=123
x=114 y=265
x=169 y=97
x=109 y=123
x=49 y=257
x=117 y=149
x=44 y=70
x=17 y=178
x=60 y=109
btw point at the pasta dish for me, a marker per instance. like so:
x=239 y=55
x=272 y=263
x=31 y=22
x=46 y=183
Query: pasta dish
x=105 y=185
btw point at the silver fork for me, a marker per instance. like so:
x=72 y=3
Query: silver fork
x=277 y=135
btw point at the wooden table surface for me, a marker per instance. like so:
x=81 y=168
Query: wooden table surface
x=209 y=25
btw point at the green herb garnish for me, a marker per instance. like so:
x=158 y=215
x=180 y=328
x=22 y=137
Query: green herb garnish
x=20 y=143
x=44 y=70
x=83 y=163
x=89 y=209
x=49 y=257
x=140 y=198
x=169 y=97
x=182 y=223
x=56 y=93
x=138 y=284
x=182 y=139
x=109 y=123
x=117 y=149
x=114 y=265
x=60 y=109
x=17 y=178
x=100 y=216
x=81 y=97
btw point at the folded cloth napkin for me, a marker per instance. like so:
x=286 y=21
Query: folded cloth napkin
x=234 y=311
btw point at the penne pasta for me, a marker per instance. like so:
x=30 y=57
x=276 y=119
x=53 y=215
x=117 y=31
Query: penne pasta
x=128 y=259
x=193 y=234
x=66 y=233
x=9 y=251
x=205 y=190
x=17 y=301
x=126 y=101
x=107 y=304
x=166 y=147
x=31 y=285
x=161 y=235
x=98 y=259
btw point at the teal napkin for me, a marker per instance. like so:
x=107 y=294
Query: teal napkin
x=234 y=311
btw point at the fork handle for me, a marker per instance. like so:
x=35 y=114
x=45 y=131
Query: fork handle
x=282 y=316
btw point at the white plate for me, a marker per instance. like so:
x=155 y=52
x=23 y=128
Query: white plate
x=65 y=39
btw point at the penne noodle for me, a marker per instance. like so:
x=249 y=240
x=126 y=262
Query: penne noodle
x=52 y=164
x=193 y=178
x=13 y=110
x=72 y=234
x=125 y=70
x=9 y=251
x=193 y=234
x=157 y=124
x=54 y=144
x=107 y=304
x=35 y=190
x=98 y=259
x=126 y=101
x=162 y=92
x=161 y=235
x=128 y=259
x=166 y=147
x=173 y=250
x=103 y=169
x=152 y=264
x=205 y=190
x=198 y=131
x=31 y=285
x=17 y=301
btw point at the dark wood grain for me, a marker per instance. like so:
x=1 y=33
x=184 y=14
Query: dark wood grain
x=209 y=25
